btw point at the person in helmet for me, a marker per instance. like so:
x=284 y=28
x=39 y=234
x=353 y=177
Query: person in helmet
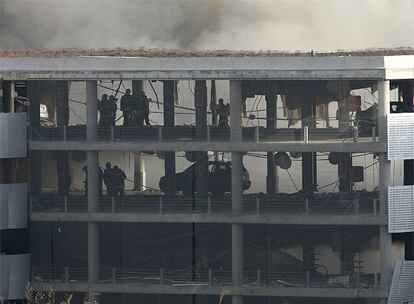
x=107 y=108
x=111 y=108
x=223 y=111
x=102 y=108
x=127 y=107
x=144 y=109
x=109 y=179
x=119 y=181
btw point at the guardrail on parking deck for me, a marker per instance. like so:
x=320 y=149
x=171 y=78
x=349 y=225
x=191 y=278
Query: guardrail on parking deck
x=206 y=277
x=212 y=134
x=321 y=204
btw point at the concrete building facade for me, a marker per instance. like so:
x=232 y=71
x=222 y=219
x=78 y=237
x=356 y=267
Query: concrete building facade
x=177 y=246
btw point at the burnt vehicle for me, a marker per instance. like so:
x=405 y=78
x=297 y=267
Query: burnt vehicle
x=367 y=119
x=219 y=179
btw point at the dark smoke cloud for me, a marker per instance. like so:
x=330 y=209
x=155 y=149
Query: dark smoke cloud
x=208 y=24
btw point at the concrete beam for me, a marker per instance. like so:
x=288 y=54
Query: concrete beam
x=360 y=147
x=350 y=293
x=79 y=75
x=269 y=219
x=203 y=68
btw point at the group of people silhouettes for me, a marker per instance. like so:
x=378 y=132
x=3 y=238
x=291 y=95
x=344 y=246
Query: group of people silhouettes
x=113 y=178
x=135 y=109
x=223 y=111
x=107 y=109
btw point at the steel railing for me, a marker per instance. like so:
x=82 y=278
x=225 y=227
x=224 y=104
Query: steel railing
x=211 y=134
x=207 y=277
x=366 y=204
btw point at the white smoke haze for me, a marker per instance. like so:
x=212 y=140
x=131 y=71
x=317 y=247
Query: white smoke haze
x=208 y=24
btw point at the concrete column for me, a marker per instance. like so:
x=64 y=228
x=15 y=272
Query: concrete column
x=235 y=111
x=308 y=256
x=385 y=176
x=271 y=123
x=34 y=95
x=309 y=163
x=383 y=109
x=201 y=158
x=169 y=121
x=213 y=102
x=236 y=187
x=385 y=257
x=139 y=172
x=344 y=172
x=91 y=111
x=93 y=191
x=93 y=252
x=345 y=159
x=200 y=95
x=61 y=90
x=201 y=171
x=137 y=87
x=139 y=165
x=169 y=102
x=10 y=97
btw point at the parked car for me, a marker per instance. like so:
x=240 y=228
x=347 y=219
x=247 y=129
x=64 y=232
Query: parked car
x=219 y=179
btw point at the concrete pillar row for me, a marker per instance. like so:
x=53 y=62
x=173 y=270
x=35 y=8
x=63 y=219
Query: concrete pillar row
x=384 y=180
x=236 y=187
x=92 y=180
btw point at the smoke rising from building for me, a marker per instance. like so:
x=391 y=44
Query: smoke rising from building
x=208 y=24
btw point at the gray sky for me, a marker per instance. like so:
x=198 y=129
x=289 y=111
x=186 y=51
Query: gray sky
x=208 y=24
